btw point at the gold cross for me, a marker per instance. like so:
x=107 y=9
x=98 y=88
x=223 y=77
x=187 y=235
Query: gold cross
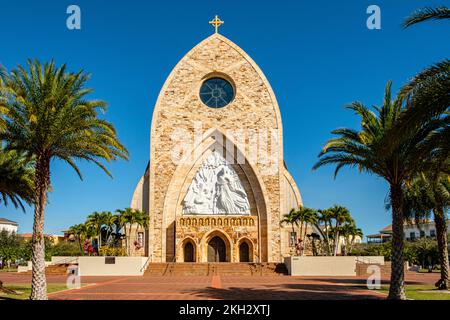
x=216 y=22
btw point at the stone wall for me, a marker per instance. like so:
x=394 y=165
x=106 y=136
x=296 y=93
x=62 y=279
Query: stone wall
x=232 y=229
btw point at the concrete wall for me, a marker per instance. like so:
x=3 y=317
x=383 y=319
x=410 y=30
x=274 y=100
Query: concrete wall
x=63 y=260
x=29 y=266
x=123 y=266
x=326 y=266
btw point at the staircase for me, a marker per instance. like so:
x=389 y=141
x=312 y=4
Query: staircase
x=210 y=269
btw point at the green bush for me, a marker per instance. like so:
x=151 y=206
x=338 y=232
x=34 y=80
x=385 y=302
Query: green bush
x=65 y=249
x=422 y=252
x=379 y=249
x=13 y=248
x=112 y=251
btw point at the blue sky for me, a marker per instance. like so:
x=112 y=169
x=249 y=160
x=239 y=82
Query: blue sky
x=318 y=56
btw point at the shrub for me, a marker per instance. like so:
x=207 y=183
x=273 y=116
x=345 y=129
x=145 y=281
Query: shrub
x=112 y=251
x=65 y=249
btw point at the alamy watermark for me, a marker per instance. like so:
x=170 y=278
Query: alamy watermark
x=374 y=280
x=373 y=22
x=73 y=21
x=73 y=280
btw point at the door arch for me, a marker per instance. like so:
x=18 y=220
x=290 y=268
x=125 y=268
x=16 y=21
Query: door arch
x=245 y=251
x=189 y=252
x=217 y=250
x=244 y=254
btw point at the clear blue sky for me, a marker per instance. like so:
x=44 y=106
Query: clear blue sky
x=318 y=56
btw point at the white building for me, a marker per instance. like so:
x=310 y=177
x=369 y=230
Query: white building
x=412 y=231
x=8 y=225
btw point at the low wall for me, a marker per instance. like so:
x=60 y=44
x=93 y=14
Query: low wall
x=111 y=266
x=64 y=260
x=30 y=266
x=326 y=266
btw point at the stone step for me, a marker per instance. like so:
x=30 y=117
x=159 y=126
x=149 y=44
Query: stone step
x=57 y=269
x=205 y=269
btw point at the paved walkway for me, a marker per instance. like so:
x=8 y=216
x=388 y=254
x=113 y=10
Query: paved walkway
x=218 y=287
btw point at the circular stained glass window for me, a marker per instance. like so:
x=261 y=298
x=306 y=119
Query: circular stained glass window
x=216 y=92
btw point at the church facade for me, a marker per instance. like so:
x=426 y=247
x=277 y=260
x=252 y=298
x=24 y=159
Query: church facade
x=216 y=186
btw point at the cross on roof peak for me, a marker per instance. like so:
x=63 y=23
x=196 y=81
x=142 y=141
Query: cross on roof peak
x=216 y=22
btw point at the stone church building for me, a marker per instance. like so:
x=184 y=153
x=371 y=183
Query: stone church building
x=216 y=186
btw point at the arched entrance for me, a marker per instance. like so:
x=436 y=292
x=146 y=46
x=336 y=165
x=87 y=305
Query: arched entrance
x=244 y=252
x=189 y=252
x=217 y=251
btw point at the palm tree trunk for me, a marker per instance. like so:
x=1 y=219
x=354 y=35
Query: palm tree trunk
x=336 y=241
x=304 y=239
x=42 y=182
x=100 y=239
x=327 y=229
x=397 y=286
x=129 y=241
x=441 y=234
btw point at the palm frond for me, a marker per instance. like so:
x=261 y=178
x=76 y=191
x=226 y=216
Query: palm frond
x=427 y=13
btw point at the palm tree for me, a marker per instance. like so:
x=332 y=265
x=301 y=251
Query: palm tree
x=142 y=221
x=426 y=194
x=49 y=117
x=109 y=222
x=428 y=93
x=427 y=13
x=80 y=231
x=127 y=218
x=16 y=178
x=95 y=222
x=428 y=96
x=309 y=217
x=376 y=150
x=292 y=219
x=325 y=218
x=340 y=215
x=350 y=232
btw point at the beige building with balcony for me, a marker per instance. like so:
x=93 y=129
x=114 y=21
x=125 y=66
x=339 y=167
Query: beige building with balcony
x=216 y=185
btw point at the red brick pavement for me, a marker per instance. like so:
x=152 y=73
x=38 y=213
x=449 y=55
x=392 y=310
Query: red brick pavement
x=218 y=287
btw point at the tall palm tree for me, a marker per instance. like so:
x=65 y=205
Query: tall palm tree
x=376 y=150
x=16 y=178
x=428 y=96
x=48 y=116
x=428 y=93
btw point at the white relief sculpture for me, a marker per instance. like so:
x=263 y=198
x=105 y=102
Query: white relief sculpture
x=216 y=189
